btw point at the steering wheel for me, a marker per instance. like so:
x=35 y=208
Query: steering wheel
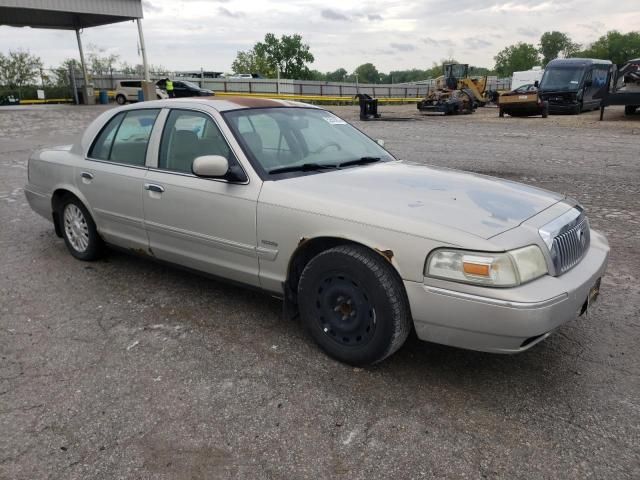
x=327 y=145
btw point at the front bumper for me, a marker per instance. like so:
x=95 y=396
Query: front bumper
x=563 y=107
x=508 y=320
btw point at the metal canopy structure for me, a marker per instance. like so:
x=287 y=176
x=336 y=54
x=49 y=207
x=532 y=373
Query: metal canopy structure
x=73 y=15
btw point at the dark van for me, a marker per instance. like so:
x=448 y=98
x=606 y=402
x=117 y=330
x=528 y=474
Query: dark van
x=570 y=85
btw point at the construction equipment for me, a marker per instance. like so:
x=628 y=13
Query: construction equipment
x=448 y=102
x=456 y=76
x=455 y=92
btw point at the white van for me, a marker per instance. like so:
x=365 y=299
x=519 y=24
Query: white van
x=127 y=91
x=528 y=77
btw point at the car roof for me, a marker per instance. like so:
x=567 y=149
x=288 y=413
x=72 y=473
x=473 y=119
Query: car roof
x=577 y=61
x=222 y=103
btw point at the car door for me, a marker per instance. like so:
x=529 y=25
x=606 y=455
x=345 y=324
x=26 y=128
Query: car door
x=589 y=88
x=180 y=90
x=112 y=178
x=201 y=223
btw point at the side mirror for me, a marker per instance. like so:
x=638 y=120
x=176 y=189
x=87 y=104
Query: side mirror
x=536 y=84
x=380 y=142
x=210 y=166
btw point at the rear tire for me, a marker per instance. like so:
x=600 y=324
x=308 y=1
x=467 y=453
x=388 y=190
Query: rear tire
x=501 y=113
x=353 y=304
x=79 y=230
x=121 y=99
x=630 y=109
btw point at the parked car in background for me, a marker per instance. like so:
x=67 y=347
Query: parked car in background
x=128 y=91
x=291 y=199
x=571 y=85
x=184 y=88
x=524 y=101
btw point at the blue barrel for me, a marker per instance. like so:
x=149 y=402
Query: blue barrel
x=140 y=95
x=104 y=98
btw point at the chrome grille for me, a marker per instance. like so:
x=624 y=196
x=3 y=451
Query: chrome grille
x=567 y=238
x=570 y=245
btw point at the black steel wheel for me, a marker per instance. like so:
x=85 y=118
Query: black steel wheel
x=343 y=309
x=353 y=304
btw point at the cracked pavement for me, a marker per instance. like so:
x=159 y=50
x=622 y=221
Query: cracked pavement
x=126 y=368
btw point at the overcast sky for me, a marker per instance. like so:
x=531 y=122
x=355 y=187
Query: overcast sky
x=189 y=34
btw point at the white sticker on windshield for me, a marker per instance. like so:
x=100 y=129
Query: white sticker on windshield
x=333 y=120
x=573 y=81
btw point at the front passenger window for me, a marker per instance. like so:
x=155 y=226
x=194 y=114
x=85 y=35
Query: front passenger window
x=188 y=135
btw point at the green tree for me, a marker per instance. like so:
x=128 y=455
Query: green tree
x=287 y=54
x=367 y=73
x=318 y=76
x=99 y=63
x=479 y=71
x=249 y=62
x=61 y=72
x=552 y=44
x=337 y=75
x=615 y=46
x=3 y=67
x=515 y=58
x=21 y=69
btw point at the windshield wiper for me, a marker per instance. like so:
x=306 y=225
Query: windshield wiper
x=305 y=167
x=359 y=161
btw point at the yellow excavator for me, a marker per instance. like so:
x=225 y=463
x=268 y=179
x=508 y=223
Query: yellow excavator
x=455 y=92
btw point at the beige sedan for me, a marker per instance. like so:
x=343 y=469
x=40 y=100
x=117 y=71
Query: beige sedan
x=293 y=200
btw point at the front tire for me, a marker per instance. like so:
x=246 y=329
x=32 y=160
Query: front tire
x=79 y=230
x=630 y=109
x=121 y=100
x=545 y=109
x=354 y=305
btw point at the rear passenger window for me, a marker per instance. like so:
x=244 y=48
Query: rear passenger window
x=125 y=138
x=102 y=146
x=188 y=135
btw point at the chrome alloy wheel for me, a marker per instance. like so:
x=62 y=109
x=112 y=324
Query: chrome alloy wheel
x=76 y=228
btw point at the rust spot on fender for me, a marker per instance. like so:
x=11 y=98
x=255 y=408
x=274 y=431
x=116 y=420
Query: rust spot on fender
x=303 y=240
x=388 y=254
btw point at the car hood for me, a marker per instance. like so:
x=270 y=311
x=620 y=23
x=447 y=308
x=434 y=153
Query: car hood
x=415 y=199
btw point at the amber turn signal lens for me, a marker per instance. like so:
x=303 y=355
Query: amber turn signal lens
x=478 y=269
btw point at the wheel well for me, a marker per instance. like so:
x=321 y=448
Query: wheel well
x=56 y=201
x=309 y=248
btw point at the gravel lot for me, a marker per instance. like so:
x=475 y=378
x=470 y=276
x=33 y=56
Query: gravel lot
x=125 y=368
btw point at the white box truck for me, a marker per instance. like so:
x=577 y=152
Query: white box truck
x=527 y=77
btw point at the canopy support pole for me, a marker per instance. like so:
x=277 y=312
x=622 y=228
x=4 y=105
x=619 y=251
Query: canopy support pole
x=143 y=50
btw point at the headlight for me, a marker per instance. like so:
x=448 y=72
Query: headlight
x=492 y=269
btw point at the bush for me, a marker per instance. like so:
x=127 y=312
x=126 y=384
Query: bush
x=30 y=92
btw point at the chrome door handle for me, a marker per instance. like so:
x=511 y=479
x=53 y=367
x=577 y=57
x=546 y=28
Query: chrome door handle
x=152 y=187
x=87 y=175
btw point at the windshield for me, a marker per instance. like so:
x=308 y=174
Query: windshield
x=191 y=85
x=561 y=78
x=280 y=138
